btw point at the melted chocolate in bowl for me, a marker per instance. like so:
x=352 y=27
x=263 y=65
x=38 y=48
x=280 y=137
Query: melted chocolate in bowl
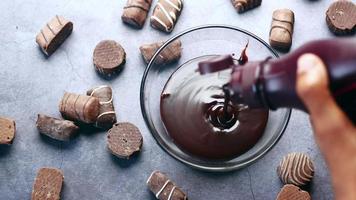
x=194 y=115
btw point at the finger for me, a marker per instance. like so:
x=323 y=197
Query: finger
x=313 y=89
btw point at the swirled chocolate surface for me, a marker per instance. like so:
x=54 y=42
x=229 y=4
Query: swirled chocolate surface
x=192 y=110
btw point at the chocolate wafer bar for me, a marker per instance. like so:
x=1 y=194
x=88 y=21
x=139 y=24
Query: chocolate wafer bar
x=78 y=107
x=124 y=139
x=281 y=33
x=48 y=184
x=53 y=34
x=7 y=130
x=107 y=115
x=135 y=12
x=169 y=54
x=165 y=14
x=245 y=5
x=163 y=188
x=58 y=129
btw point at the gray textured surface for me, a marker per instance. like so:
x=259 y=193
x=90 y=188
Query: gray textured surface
x=31 y=84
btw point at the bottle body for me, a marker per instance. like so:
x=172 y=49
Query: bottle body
x=272 y=83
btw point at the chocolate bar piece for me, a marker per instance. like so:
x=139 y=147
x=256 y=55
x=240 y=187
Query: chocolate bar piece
x=109 y=58
x=53 y=34
x=169 y=54
x=164 y=188
x=296 y=168
x=135 y=12
x=281 y=33
x=7 y=130
x=341 y=17
x=165 y=14
x=124 y=139
x=48 y=184
x=292 y=192
x=107 y=115
x=79 y=107
x=244 y=5
x=58 y=129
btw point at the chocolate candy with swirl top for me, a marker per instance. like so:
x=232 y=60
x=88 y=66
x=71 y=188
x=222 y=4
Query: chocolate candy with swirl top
x=135 y=12
x=107 y=115
x=296 y=168
x=164 y=188
x=165 y=14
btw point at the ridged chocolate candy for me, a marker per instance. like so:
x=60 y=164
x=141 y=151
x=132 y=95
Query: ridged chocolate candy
x=109 y=58
x=281 y=33
x=341 y=17
x=292 y=192
x=296 y=168
x=48 y=184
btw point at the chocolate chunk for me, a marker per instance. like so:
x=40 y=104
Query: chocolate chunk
x=341 y=17
x=135 y=12
x=7 y=130
x=58 y=129
x=296 y=168
x=281 y=33
x=48 y=184
x=53 y=34
x=169 y=54
x=292 y=192
x=244 y=5
x=109 y=58
x=107 y=115
x=215 y=64
x=79 y=107
x=124 y=139
x=165 y=14
x=163 y=188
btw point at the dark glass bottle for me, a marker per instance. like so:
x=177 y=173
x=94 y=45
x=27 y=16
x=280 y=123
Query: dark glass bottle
x=272 y=83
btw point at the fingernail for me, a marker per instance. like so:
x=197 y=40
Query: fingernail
x=306 y=63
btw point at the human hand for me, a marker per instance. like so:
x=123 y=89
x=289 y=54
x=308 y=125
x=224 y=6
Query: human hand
x=334 y=132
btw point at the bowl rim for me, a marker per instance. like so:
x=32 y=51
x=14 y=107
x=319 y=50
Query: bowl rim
x=154 y=132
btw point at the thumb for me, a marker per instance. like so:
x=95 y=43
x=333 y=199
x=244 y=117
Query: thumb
x=313 y=88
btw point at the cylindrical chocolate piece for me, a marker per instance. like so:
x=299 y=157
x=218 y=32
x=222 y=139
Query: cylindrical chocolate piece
x=109 y=58
x=107 y=115
x=79 y=107
x=135 y=12
x=58 y=129
x=163 y=188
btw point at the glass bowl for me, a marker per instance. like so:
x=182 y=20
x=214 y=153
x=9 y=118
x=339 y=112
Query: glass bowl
x=198 y=42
